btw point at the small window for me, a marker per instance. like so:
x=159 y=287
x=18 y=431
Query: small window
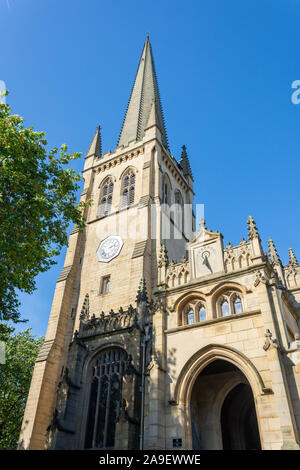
x=105 y=285
x=202 y=314
x=237 y=305
x=225 y=309
x=190 y=317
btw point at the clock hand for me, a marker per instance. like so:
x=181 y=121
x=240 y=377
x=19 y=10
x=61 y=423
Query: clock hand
x=207 y=264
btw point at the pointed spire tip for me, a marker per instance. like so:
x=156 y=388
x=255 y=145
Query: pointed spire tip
x=144 y=90
x=185 y=164
x=96 y=145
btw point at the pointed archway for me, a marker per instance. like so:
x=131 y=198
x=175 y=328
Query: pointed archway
x=222 y=409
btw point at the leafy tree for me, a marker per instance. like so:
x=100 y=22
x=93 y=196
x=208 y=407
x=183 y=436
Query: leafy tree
x=21 y=350
x=37 y=204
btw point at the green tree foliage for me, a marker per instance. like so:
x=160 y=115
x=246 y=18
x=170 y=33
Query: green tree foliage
x=37 y=204
x=21 y=350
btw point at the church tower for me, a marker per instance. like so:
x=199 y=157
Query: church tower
x=161 y=337
x=100 y=331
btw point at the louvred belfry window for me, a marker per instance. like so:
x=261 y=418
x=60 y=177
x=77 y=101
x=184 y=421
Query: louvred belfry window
x=128 y=189
x=106 y=194
x=106 y=375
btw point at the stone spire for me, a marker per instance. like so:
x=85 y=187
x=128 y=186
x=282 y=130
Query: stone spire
x=184 y=163
x=292 y=258
x=273 y=255
x=144 y=107
x=95 y=147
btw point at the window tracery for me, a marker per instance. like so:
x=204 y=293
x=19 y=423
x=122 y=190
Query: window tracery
x=229 y=303
x=106 y=378
x=193 y=312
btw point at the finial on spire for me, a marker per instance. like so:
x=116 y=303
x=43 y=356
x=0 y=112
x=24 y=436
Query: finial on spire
x=184 y=163
x=273 y=255
x=292 y=258
x=252 y=229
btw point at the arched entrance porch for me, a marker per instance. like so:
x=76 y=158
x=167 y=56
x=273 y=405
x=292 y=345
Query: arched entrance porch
x=222 y=409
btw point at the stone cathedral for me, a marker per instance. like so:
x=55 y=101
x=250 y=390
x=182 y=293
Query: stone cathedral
x=160 y=337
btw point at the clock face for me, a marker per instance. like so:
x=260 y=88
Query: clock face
x=109 y=248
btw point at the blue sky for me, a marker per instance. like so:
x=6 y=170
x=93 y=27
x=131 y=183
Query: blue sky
x=225 y=70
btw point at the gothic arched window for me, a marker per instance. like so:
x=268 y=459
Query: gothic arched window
x=229 y=303
x=128 y=189
x=190 y=317
x=192 y=312
x=106 y=378
x=237 y=305
x=225 y=311
x=202 y=313
x=106 y=194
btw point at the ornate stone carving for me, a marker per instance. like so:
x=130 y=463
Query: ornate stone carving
x=259 y=277
x=237 y=257
x=269 y=341
x=178 y=274
x=108 y=323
